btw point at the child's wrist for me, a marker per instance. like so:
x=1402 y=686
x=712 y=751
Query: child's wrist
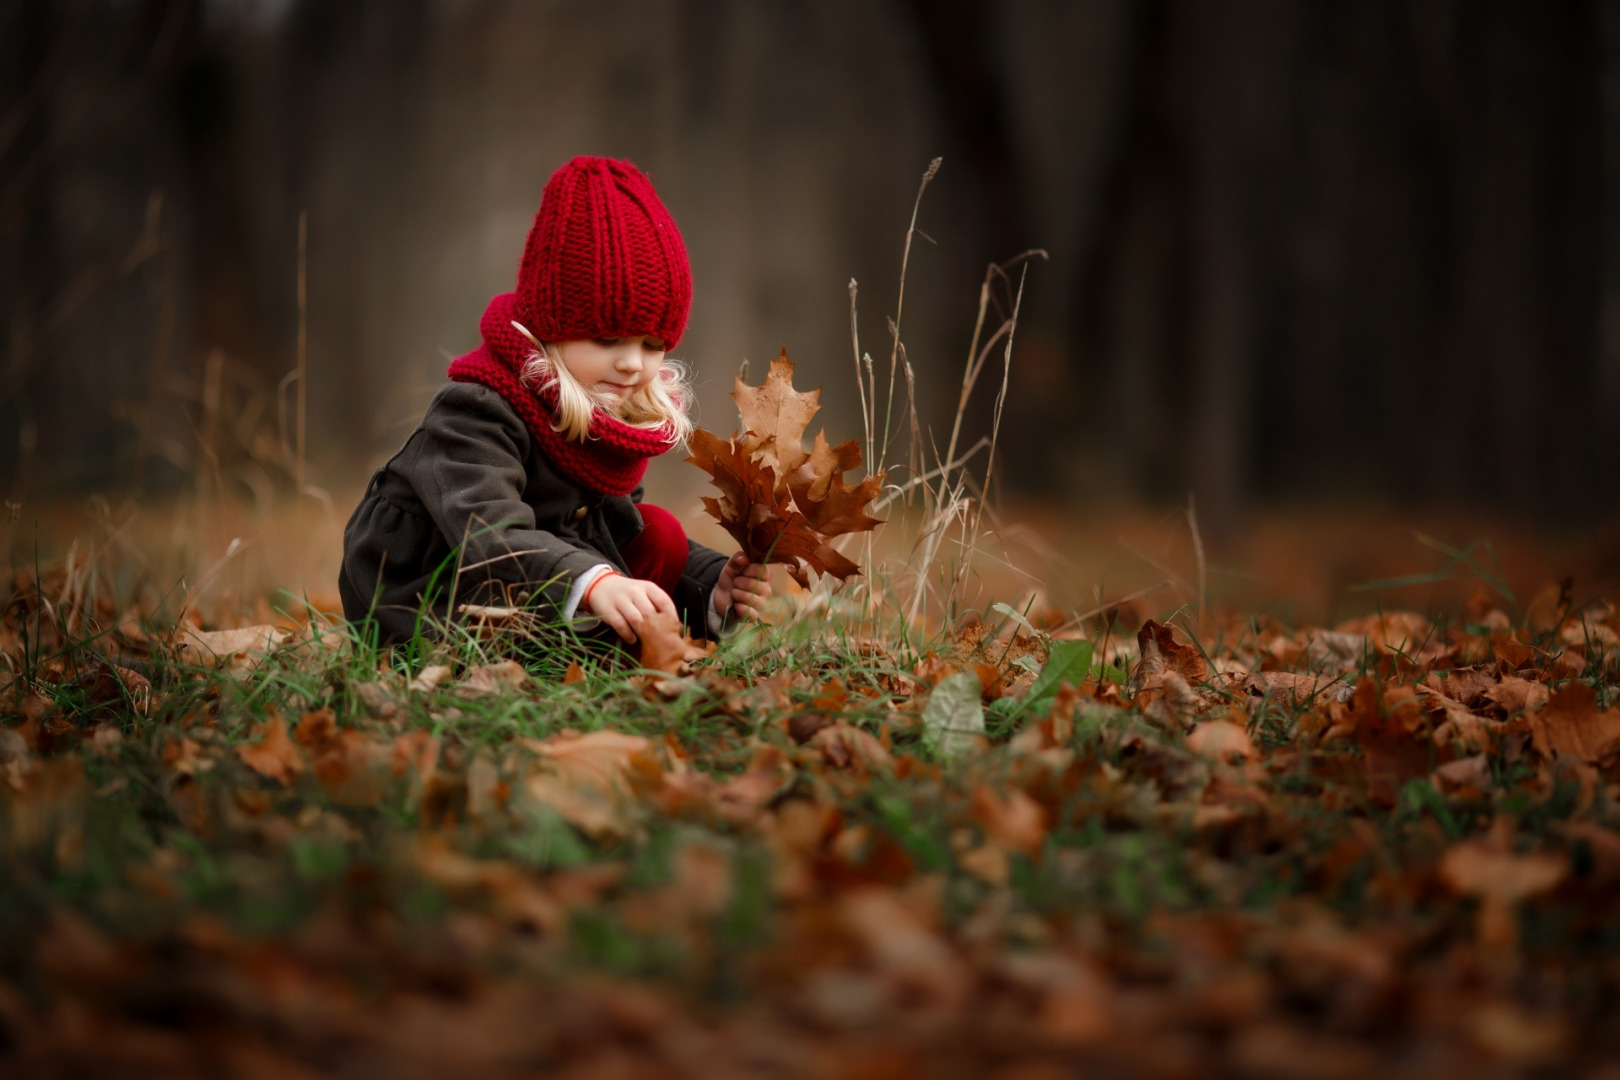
x=585 y=601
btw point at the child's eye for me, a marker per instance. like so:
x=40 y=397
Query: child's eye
x=652 y=344
x=607 y=341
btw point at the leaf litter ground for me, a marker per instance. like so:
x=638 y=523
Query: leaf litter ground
x=821 y=850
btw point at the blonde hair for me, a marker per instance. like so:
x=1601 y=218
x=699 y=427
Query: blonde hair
x=661 y=403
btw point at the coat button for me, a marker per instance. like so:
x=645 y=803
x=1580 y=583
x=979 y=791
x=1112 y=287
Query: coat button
x=579 y=515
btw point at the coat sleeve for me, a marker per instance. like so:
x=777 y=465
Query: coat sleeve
x=692 y=592
x=469 y=473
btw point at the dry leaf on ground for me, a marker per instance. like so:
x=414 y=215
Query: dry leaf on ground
x=592 y=780
x=1161 y=654
x=953 y=717
x=1490 y=870
x=1392 y=631
x=488 y=680
x=1570 y=723
x=664 y=645
x=274 y=756
x=235 y=650
x=1221 y=740
x=430 y=678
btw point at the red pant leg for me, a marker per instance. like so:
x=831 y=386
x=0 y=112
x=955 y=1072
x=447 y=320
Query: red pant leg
x=658 y=555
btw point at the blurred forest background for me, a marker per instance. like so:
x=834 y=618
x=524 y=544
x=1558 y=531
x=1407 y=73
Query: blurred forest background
x=1298 y=251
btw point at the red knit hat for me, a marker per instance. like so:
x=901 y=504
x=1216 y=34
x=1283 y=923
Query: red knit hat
x=604 y=258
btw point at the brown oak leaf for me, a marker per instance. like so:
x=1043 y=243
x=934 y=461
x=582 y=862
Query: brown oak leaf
x=774 y=416
x=663 y=643
x=1571 y=723
x=274 y=755
x=1162 y=654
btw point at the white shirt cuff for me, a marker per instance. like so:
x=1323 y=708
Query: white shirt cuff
x=582 y=585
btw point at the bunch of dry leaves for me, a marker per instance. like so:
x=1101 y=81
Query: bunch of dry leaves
x=781 y=503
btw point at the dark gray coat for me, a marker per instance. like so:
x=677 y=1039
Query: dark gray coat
x=471 y=476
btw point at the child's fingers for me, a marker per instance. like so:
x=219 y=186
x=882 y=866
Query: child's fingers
x=617 y=621
x=647 y=605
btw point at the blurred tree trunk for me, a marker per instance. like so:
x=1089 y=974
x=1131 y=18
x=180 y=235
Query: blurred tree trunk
x=1130 y=319
x=357 y=66
x=959 y=40
x=31 y=42
x=1609 y=313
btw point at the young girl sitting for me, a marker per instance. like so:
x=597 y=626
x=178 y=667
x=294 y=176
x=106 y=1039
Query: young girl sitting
x=522 y=485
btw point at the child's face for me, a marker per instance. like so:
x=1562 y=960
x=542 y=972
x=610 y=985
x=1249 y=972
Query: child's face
x=613 y=368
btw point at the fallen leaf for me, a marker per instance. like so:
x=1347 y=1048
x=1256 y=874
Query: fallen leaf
x=1013 y=821
x=488 y=680
x=1172 y=702
x=1275 y=1048
x=663 y=643
x=415 y=751
x=316 y=730
x=1338 y=650
x=274 y=755
x=377 y=700
x=1570 y=723
x=1392 y=631
x=1501 y=880
x=1470 y=686
x=430 y=678
x=1221 y=740
x=352 y=767
x=1297 y=688
x=1603 y=843
x=742 y=798
x=905 y=950
x=1508 y=1032
x=592 y=780
x=954 y=715
x=1515 y=695
x=234 y=650
x=987 y=862
x=1161 y=655
x=844 y=745
x=1463 y=773
x=483 y=785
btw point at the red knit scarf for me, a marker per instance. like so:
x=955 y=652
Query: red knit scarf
x=613 y=456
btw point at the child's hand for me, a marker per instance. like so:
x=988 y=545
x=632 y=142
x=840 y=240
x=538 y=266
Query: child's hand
x=743 y=587
x=625 y=603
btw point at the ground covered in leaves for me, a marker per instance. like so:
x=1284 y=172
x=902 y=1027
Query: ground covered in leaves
x=826 y=849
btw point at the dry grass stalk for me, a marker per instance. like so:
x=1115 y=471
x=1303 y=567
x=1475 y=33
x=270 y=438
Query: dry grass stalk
x=303 y=344
x=1198 y=554
x=940 y=499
